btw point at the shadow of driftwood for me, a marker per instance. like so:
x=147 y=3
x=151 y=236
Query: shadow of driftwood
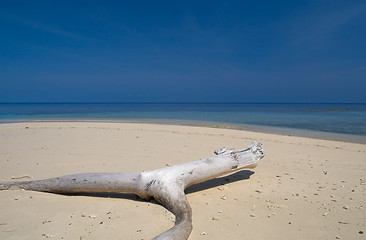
x=128 y=196
x=238 y=176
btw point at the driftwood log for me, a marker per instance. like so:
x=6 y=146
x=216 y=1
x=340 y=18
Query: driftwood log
x=166 y=185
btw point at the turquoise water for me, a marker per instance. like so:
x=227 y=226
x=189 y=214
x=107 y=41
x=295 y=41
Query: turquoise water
x=330 y=118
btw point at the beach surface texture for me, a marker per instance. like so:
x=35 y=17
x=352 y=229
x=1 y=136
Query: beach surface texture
x=303 y=188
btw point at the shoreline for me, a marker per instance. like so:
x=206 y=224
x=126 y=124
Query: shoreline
x=283 y=131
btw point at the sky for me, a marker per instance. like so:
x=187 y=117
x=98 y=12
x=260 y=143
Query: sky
x=183 y=51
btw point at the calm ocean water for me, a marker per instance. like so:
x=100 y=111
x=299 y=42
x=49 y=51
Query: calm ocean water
x=328 y=118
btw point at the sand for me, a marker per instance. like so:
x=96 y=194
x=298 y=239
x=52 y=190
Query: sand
x=302 y=189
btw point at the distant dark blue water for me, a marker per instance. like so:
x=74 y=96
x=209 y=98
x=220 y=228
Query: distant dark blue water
x=331 y=118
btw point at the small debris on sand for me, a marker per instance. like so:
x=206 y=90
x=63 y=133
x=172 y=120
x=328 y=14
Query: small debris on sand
x=47 y=235
x=20 y=177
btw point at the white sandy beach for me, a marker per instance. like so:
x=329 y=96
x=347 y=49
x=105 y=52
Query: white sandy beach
x=302 y=189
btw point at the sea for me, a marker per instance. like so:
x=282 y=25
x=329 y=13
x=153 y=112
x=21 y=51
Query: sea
x=344 y=122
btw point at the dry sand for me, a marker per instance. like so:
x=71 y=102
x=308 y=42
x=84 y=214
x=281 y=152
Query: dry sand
x=302 y=189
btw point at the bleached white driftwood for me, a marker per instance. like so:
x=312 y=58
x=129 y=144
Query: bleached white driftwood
x=166 y=185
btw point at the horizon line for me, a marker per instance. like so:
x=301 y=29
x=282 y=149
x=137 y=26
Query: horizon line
x=176 y=102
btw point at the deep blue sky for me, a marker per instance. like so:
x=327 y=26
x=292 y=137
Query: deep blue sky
x=187 y=51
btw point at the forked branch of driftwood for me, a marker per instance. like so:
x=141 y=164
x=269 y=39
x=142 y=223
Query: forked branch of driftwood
x=166 y=185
